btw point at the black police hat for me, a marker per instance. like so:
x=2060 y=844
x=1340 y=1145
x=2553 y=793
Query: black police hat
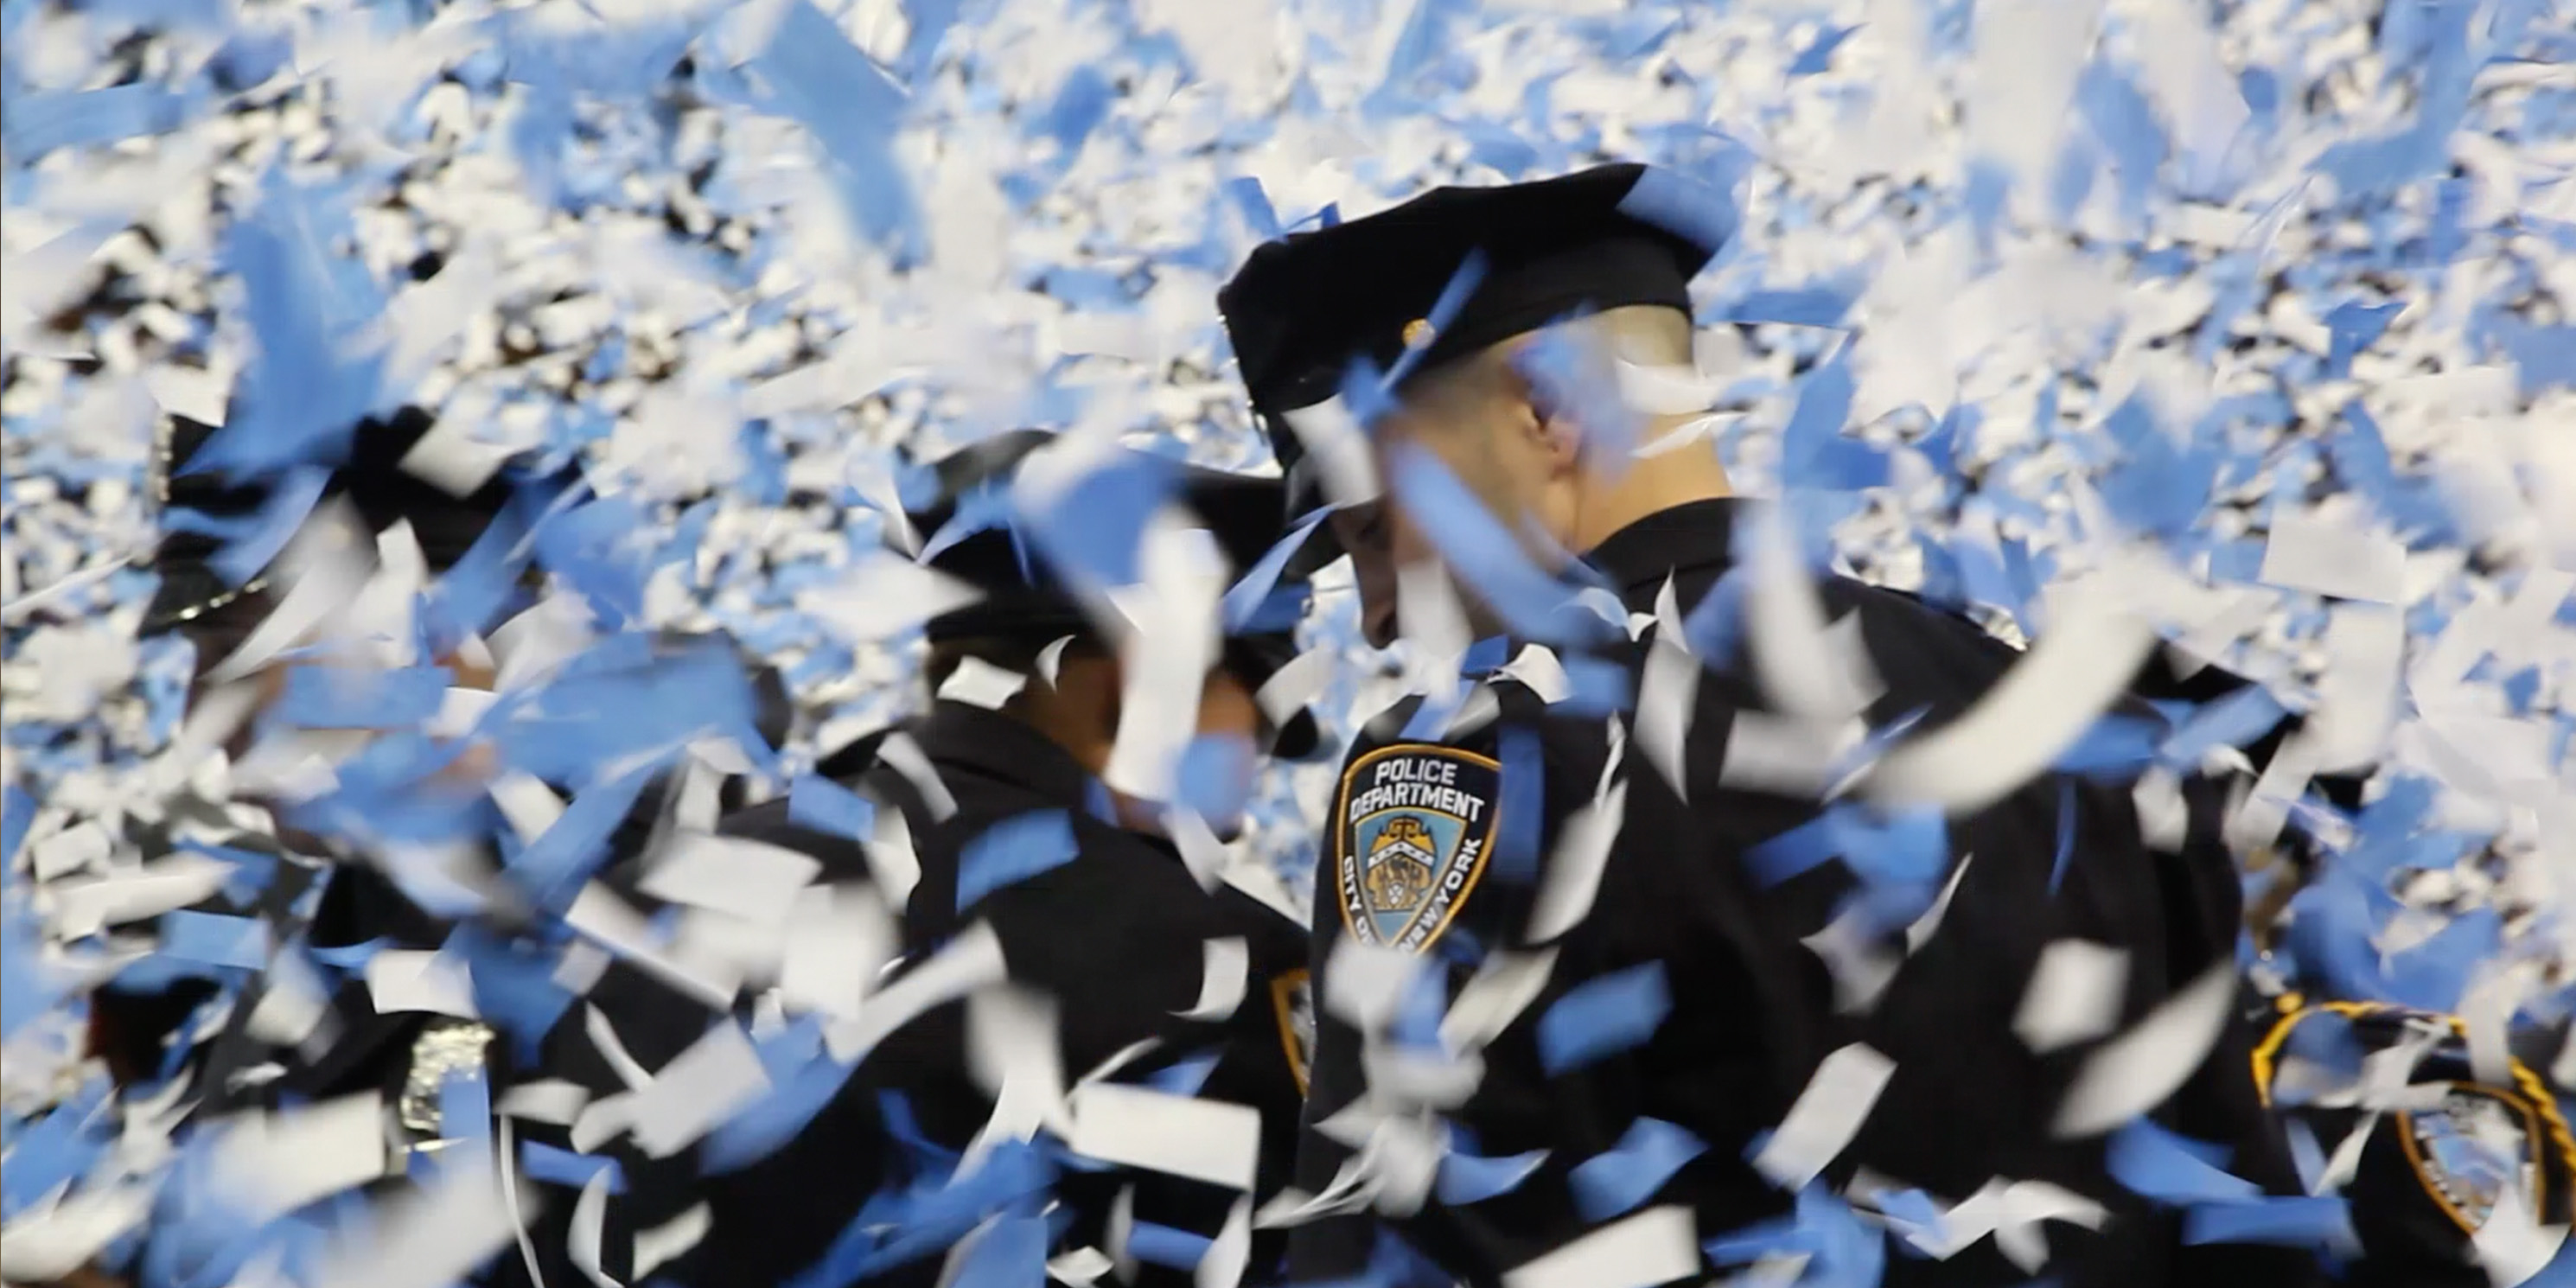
x=1307 y=304
x=370 y=478
x=1023 y=597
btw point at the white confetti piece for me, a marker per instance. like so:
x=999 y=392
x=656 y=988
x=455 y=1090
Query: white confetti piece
x=977 y=682
x=545 y=1100
x=2358 y=693
x=1223 y=981
x=400 y=980
x=970 y=961
x=53 y=1242
x=430 y=1239
x=1231 y=1254
x=1807 y=672
x=84 y=846
x=838 y=939
x=906 y=757
x=2074 y=995
x=753 y=880
x=1295 y=687
x=1205 y=1140
x=272 y=1164
x=654 y=1248
x=1012 y=1053
x=2512 y=1245
x=2041 y=706
x=582 y=1239
x=528 y=805
x=1828 y=1114
x=2310 y=553
x=83 y=906
x=1656 y=1246
x=2135 y=1072
x=1573 y=878
x=698 y=1089
x=1929 y=924
x=884 y=596
x=1369 y=982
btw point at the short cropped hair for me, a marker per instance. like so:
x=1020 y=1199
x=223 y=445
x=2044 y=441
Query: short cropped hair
x=1649 y=335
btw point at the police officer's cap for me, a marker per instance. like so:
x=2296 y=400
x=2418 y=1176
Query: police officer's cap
x=1304 y=306
x=1023 y=597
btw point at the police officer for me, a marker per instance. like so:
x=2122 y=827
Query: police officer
x=1169 y=976
x=1515 y=1024
x=315 y=900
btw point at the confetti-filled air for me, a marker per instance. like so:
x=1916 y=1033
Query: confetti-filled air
x=1516 y=643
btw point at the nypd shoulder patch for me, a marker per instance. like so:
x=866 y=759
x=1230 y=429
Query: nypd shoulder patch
x=1413 y=824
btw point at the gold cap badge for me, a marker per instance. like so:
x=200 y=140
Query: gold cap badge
x=1418 y=333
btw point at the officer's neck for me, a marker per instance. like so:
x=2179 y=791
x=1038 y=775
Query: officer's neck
x=1608 y=500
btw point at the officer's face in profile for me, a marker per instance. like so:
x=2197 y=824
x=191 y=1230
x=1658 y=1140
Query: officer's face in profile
x=1362 y=532
x=1521 y=466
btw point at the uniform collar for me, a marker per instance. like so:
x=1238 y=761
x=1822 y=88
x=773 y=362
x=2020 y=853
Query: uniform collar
x=1006 y=748
x=1695 y=534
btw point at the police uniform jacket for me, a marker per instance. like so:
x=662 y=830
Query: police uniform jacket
x=1438 y=845
x=1116 y=937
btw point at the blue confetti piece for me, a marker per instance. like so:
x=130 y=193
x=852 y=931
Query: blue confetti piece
x=826 y=806
x=1095 y=531
x=2323 y=1220
x=1253 y=203
x=1595 y=686
x=1795 y=851
x=1819 y=53
x=514 y=986
x=2543 y=356
x=1683 y=206
x=2173 y=1170
x=213 y=939
x=48 y=121
x=1912 y=846
x=17 y=814
x=768 y=1123
x=1252 y=593
x=1185 y=1076
x=1454 y=294
x=1814 y=453
x=852 y=108
x=2352 y=327
x=600 y=550
x=554 y=866
x=469 y=596
x=1814 y=306
x=345 y=697
x=539 y=1161
x=2113 y=746
x=1216 y=775
x=1079 y=107
x=2232 y=721
x=59 y=1147
x=2158 y=488
x=464 y=1117
x=2124 y=123
x=1470 y=1178
x=1485 y=555
x=1498 y=149
x=1012 y=851
x=1520 y=803
x=1602 y=1017
x=1647 y=1156
x=1164 y=1246
x=301 y=396
x=281 y=514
